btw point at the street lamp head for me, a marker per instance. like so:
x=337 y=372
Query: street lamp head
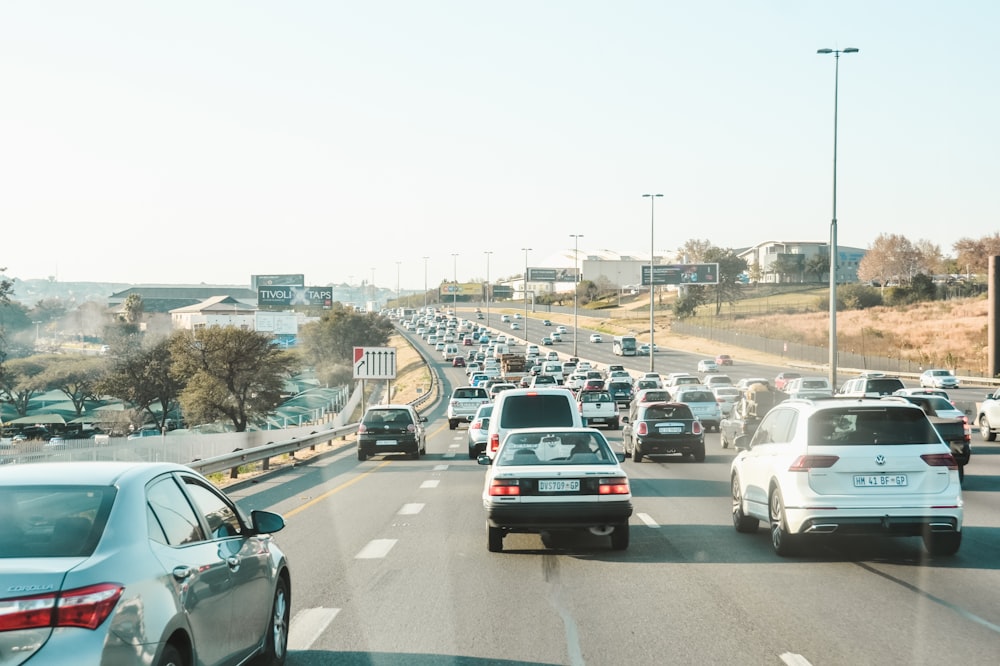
x=652 y=195
x=850 y=50
x=825 y=51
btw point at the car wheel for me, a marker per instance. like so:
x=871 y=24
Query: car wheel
x=783 y=542
x=942 y=544
x=699 y=453
x=276 y=641
x=171 y=657
x=636 y=453
x=452 y=424
x=961 y=473
x=741 y=521
x=416 y=454
x=361 y=454
x=619 y=538
x=613 y=425
x=985 y=431
x=494 y=538
x=472 y=453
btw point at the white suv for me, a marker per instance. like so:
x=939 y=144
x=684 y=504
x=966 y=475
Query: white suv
x=859 y=467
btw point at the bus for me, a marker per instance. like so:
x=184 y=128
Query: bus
x=624 y=345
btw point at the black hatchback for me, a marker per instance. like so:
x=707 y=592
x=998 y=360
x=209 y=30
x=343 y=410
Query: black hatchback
x=660 y=428
x=391 y=429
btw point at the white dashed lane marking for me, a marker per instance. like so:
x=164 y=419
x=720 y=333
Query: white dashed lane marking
x=646 y=518
x=411 y=509
x=308 y=625
x=432 y=483
x=440 y=468
x=375 y=549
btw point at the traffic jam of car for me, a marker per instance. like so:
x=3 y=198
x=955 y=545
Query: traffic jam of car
x=888 y=462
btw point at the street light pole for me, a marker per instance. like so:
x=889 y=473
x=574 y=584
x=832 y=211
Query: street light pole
x=425 y=283
x=576 y=289
x=454 y=278
x=833 y=223
x=526 y=251
x=652 y=258
x=489 y=287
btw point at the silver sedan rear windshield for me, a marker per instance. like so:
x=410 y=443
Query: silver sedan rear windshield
x=52 y=521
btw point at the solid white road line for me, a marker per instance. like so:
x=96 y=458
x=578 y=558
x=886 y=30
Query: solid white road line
x=793 y=659
x=375 y=549
x=411 y=509
x=432 y=483
x=307 y=625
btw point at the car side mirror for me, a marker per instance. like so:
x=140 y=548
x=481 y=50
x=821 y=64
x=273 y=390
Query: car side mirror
x=265 y=522
x=620 y=455
x=484 y=459
x=423 y=419
x=742 y=443
x=624 y=419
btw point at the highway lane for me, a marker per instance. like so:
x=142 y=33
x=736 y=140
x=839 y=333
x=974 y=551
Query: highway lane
x=390 y=566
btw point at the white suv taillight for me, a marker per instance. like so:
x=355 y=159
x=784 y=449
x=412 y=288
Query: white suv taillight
x=494 y=442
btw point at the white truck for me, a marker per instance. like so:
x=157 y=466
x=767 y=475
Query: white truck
x=597 y=407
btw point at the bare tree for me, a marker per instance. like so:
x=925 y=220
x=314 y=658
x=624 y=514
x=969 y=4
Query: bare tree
x=694 y=250
x=889 y=257
x=973 y=253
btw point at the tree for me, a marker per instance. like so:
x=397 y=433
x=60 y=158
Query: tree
x=142 y=378
x=693 y=251
x=786 y=264
x=76 y=376
x=20 y=381
x=132 y=309
x=228 y=373
x=730 y=266
x=329 y=343
x=890 y=257
x=972 y=254
x=817 y=265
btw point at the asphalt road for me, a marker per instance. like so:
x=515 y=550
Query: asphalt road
x=390 y=566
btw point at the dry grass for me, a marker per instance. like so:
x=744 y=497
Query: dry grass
x=413 y=378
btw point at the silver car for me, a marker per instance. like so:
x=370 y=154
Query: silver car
x=135 y=563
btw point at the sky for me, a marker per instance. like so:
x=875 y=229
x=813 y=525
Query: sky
x=189 y=142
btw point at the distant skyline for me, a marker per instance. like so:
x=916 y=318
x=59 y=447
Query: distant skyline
x=191 y=142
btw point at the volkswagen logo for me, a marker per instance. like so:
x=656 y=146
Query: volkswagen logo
x=879 y=460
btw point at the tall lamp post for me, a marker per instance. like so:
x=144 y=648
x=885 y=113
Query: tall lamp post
x=425 y=283
x=399 y=295
x=833 y=223
x=489 y=287
x=526 y=251
x=576 y=288
x=454 y=278
x=652 y=259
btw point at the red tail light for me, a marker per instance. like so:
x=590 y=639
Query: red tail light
x=940 y=460
x=614 y=486
x=505 y=487
x=85 y=607
x=494 y=442
x=806 y=463
x=642 y=429
x=696 y=428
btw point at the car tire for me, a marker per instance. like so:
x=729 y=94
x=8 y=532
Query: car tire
x=741 y=521
x=473 y=454
x=636 y=454
x=361 y=454
x=699 y=453
x=452 y=424
x=276 y=640
x=942 y=544
x=985 y=432
x=171 y=657
x=619 y=538
x=783 y=542
x=416 y=454
x=494 y=536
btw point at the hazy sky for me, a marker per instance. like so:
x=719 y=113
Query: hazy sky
x=187 y=142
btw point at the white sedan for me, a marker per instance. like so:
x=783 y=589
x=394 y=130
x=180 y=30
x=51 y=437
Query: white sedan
x=544 y=479
x=596 y=337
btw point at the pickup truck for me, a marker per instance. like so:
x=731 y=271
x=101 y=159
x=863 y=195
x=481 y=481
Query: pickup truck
x=464 y=402
x=756 y=401
x=952 y=426
x=597 y=407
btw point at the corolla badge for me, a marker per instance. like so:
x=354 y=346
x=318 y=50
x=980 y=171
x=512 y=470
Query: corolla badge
x=879 y=460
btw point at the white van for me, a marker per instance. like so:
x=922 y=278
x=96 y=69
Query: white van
x=530 y=408
x=450 y=351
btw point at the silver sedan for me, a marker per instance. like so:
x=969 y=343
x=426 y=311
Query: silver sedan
x=135 y=563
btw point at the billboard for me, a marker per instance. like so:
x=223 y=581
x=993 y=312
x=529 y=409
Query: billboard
x=285 y=280
x=471 y=289
x=294 y=295
x=682 y=274
x=552 y=275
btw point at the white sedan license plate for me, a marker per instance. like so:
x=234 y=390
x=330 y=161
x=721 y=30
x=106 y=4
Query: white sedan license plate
x=879 y=480
x=385 y=442
x=559 y=486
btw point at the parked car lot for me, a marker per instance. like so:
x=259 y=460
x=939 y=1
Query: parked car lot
x=122 y=562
